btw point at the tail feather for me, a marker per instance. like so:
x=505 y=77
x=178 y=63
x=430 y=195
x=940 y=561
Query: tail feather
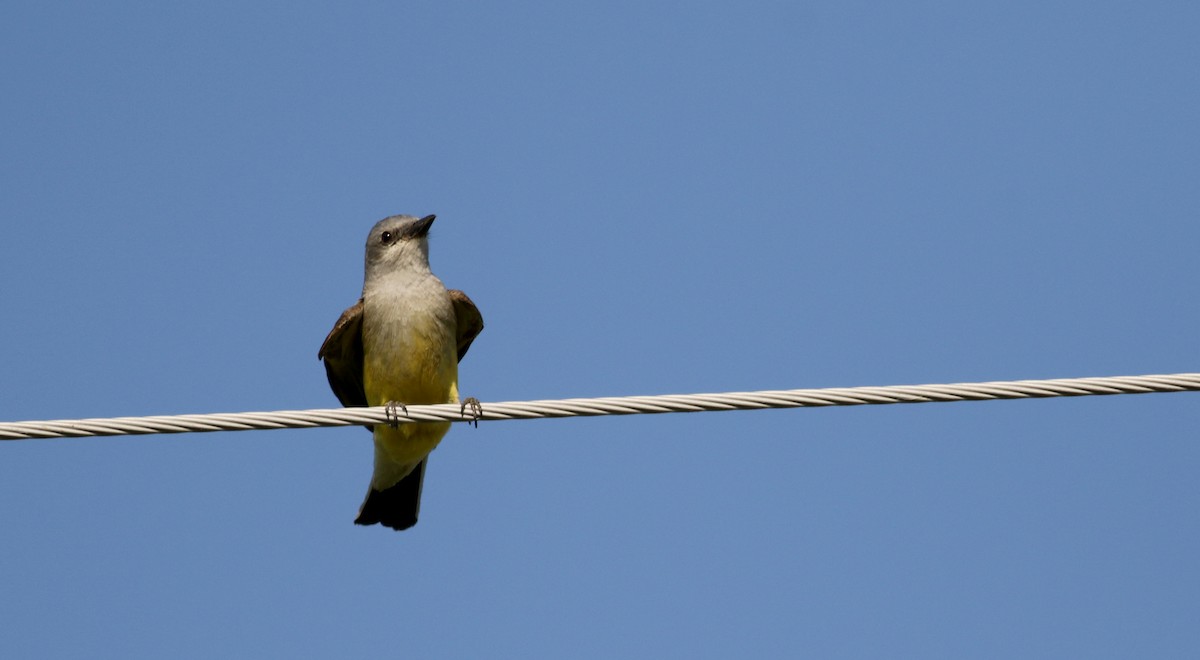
x=397 y=506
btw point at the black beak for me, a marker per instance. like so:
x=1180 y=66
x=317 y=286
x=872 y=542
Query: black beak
x=421 y=227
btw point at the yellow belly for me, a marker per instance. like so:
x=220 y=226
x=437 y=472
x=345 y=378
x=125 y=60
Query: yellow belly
x=421 y=370
x=406 y=446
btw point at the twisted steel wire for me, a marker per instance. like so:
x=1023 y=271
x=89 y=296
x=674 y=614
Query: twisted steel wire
x=622 y=405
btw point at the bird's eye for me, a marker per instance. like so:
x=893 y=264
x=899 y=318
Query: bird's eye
x=387 y=237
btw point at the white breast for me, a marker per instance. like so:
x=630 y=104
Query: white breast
x=409 y=342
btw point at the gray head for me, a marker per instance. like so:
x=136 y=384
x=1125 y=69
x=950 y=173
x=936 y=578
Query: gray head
x=399 y=244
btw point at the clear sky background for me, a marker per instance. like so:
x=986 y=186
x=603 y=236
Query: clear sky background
x=642 y=198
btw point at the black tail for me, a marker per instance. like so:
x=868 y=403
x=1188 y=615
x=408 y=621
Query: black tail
x=396 y=507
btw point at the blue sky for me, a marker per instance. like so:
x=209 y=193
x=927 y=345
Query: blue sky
x=642 y=198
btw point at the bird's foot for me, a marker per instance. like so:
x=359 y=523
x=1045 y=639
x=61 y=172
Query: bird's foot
x=391 y=410
x=476 y=410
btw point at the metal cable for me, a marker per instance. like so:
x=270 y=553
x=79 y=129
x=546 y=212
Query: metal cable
x=622 y=405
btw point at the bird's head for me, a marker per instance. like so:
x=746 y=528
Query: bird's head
x=399 y=244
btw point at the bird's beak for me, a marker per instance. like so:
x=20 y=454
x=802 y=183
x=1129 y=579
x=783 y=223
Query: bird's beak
x=422 y=227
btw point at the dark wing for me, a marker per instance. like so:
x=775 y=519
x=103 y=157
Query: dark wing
x=470 y=321
x=343 y=356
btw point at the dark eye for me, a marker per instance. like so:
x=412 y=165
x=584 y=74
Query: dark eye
x=387 y=237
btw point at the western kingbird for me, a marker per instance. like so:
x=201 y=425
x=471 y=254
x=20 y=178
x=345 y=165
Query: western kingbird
x=400 y=344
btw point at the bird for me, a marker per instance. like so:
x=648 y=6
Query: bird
x=400 y=344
